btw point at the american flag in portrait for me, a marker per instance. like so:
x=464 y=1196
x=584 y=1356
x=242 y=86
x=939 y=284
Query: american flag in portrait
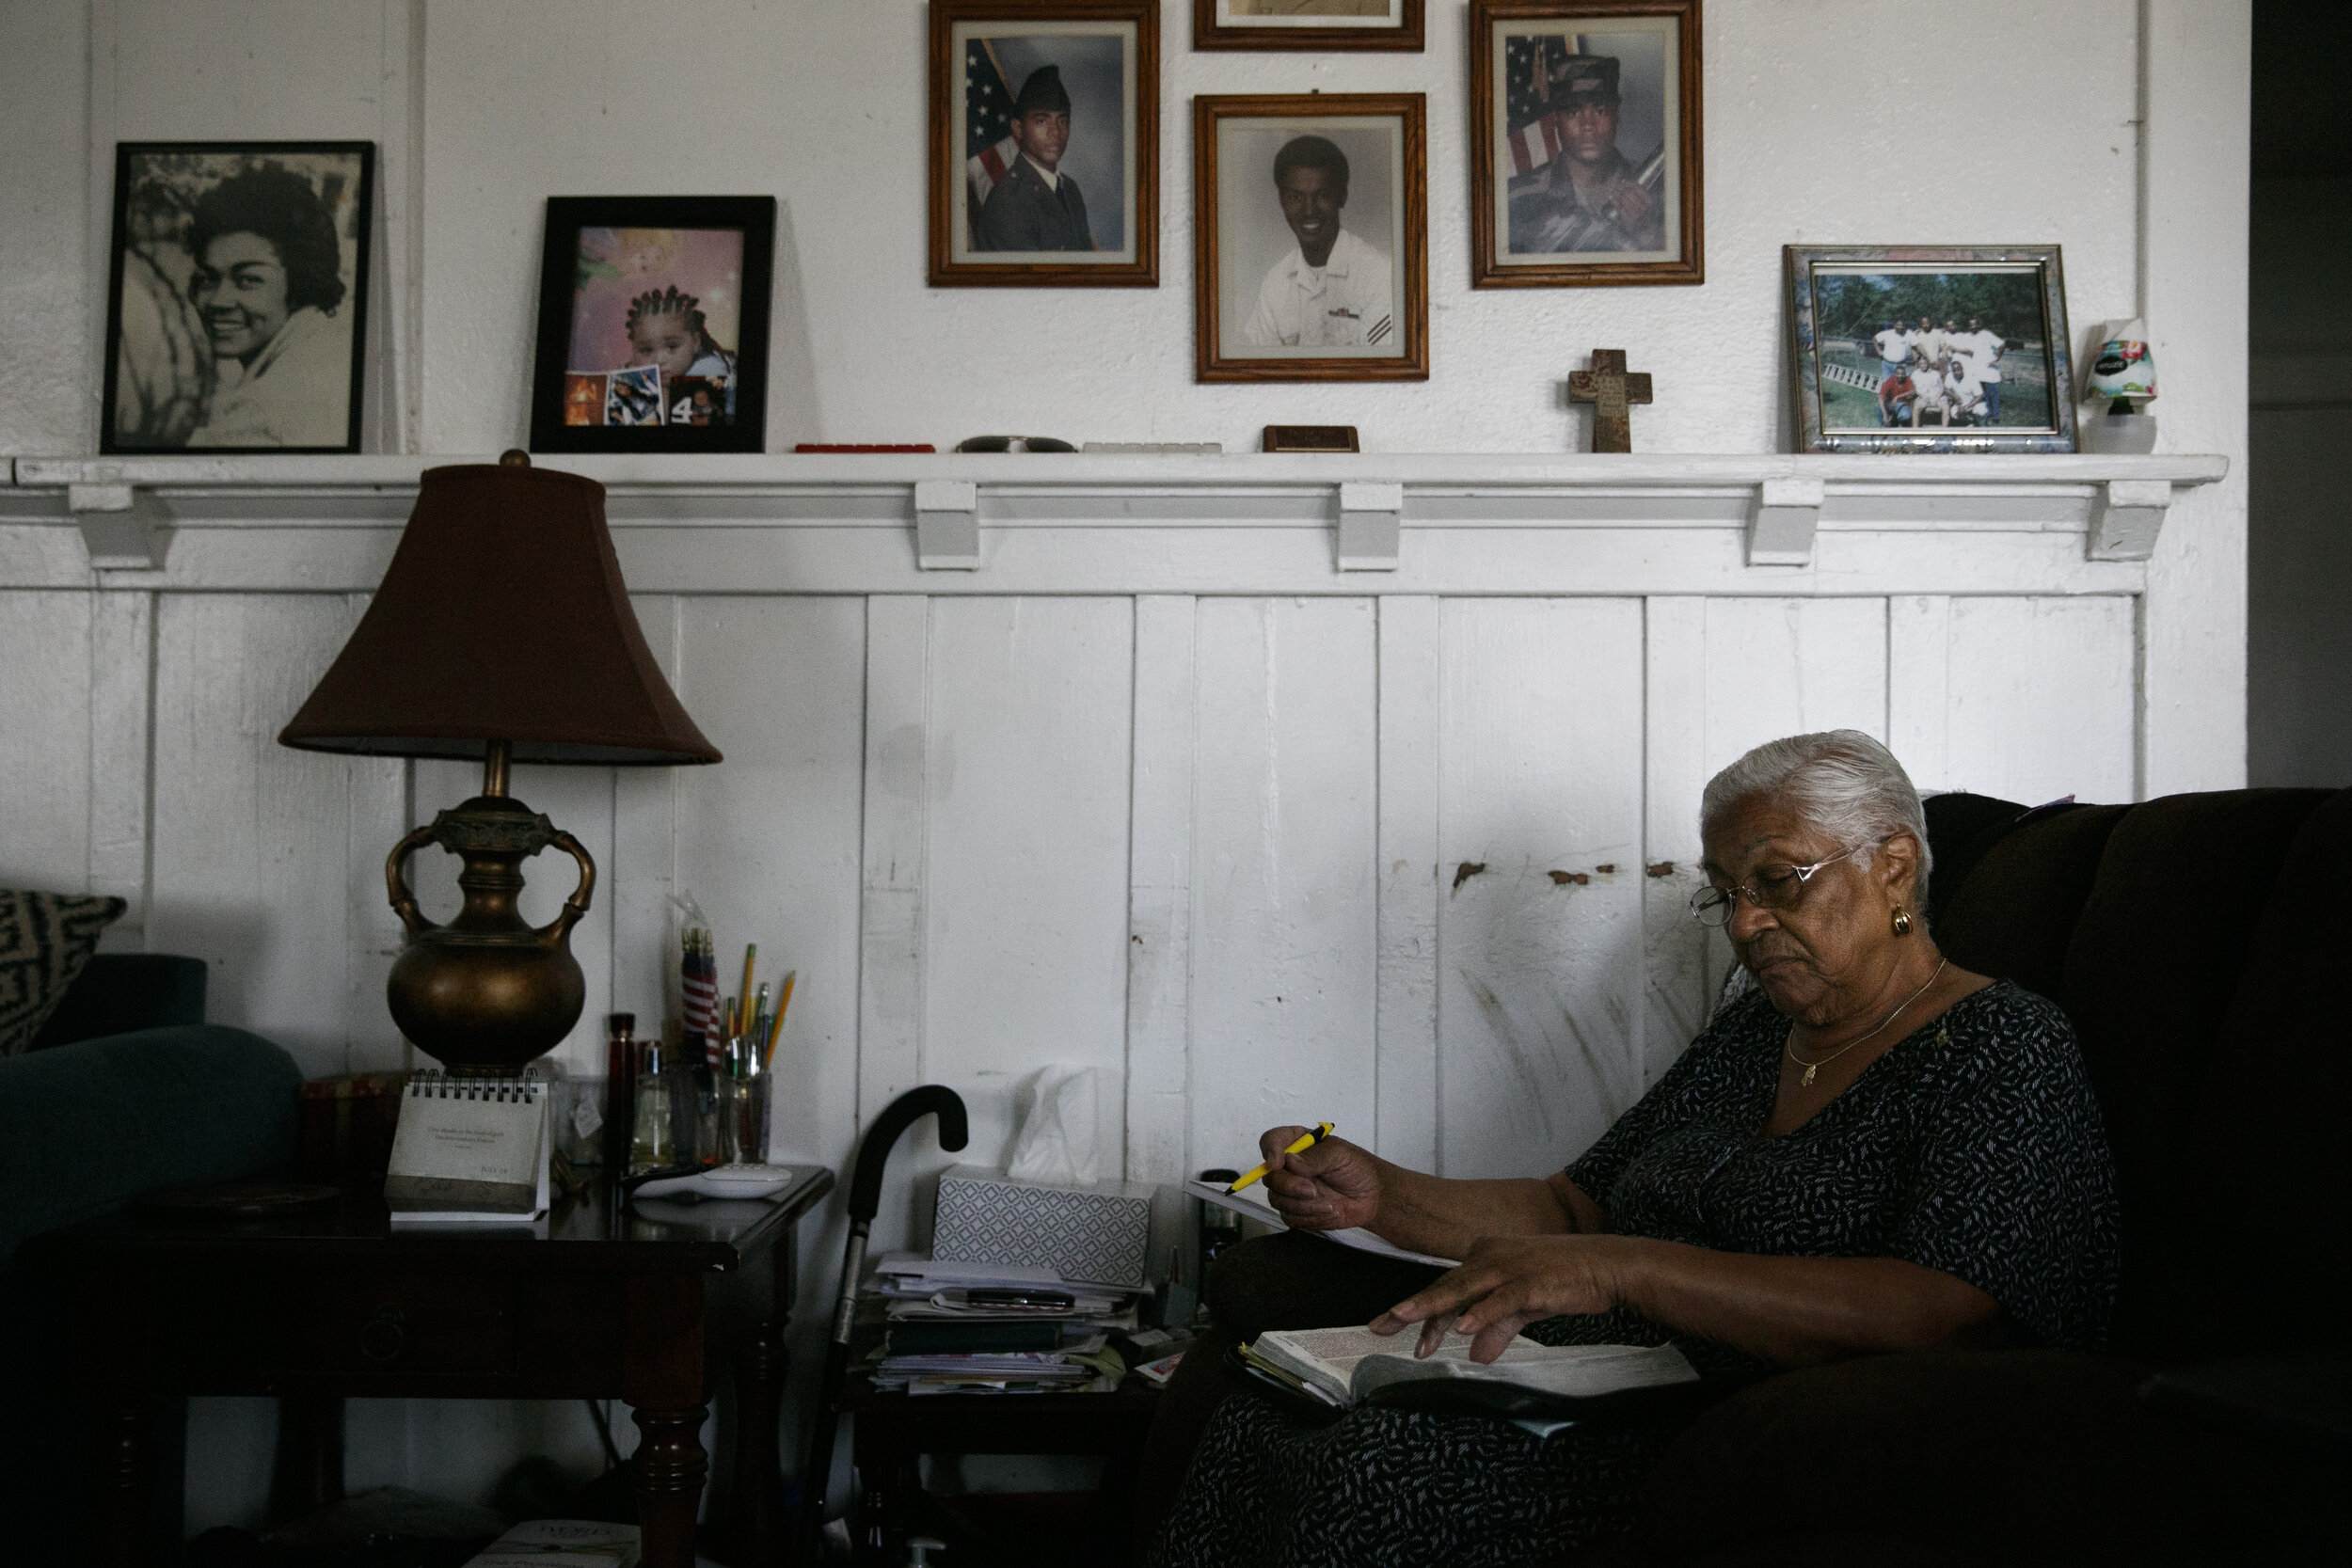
x=1529 y=64
x=988 y=145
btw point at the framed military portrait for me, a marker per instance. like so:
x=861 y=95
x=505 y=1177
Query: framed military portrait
x=236 y=310
x=1311 y=223
x=1317 y=24
x=1929 y=348
x=653 y=324
x=1584 y=143
x=1045 y=144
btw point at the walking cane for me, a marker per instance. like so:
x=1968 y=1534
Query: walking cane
x=873 y=1153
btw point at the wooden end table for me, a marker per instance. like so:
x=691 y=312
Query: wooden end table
x=644 y=1302
x=891 y=1429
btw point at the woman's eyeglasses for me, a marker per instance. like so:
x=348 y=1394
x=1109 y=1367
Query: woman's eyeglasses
x=1769 y=887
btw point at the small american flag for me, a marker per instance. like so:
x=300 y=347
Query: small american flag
x=698 y=985
x=1528 y=66
x=988 y=143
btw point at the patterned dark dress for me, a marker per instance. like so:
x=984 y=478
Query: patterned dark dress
x=1973 y=1145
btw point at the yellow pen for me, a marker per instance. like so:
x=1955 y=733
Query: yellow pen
x=1304 y=1144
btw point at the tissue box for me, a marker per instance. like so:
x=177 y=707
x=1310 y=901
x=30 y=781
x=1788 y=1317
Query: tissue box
x=1096 y=1233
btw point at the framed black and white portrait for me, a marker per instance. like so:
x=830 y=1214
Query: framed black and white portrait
x=1044 y=132
x=653 y=324
x=1311 y=225
x=236 y=306
x=1320 y=26
x=1585 y=143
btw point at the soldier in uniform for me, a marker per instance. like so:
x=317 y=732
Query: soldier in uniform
x=1035 y=207
x=1333 y=290
x=1589 y=197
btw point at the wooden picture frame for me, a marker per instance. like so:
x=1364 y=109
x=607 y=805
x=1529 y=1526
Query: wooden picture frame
x=237 y=297
x=673 y=285
x=1092 y=220
x=1549 y=176
x=1263 y=311
x=1345 y=24
x=1986 y=370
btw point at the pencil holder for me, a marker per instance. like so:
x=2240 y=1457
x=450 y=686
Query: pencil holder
x=743 y=1119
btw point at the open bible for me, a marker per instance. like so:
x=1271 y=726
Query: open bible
x=1349 y=1366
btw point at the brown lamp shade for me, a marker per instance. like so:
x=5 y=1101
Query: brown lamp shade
x=502 y=617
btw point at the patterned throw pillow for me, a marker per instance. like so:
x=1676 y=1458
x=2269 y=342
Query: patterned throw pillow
x=45 y=939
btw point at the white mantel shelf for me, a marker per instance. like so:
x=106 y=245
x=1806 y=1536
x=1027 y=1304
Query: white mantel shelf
x=1078 y=523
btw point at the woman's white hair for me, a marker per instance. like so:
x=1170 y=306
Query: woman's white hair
x=1841 y=781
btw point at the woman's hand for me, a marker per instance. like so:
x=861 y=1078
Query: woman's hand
x=1508 y=1282
x=1333 y=1185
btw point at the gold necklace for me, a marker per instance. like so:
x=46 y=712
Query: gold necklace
x=1789 y=1045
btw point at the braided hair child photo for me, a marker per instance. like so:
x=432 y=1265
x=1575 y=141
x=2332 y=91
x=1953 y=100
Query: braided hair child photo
x=667 y=329
x=653 y=324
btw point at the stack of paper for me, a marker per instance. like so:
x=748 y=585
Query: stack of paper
x=918 y=1289
x=1004 y=1329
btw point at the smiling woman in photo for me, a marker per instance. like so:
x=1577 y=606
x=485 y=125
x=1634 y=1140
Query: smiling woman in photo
x=267 y=281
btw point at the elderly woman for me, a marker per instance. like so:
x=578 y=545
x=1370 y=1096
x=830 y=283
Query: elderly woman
x=267 y=281
x=1869 y=1150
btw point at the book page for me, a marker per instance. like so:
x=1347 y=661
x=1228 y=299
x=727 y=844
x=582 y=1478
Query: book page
x=1329 y=1356
x=1577 y=1371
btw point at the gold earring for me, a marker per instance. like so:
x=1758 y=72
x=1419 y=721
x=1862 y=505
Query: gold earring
x=1902 y=923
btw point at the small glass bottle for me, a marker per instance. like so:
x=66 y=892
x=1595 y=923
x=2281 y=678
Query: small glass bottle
x=620 y=1088
x=653 y=1143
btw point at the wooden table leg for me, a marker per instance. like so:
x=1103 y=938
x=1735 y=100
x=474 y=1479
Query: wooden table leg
x=760 y=1525
x=661 y=1377
x=127 y=1480
x=310 y=1466
x=670 y=1469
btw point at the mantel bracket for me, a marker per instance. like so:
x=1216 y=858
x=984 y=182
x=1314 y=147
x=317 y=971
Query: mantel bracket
x=2127 y=517
x=1786 y=516
x=123 y=528
x=946 y=525
x=1371 y=524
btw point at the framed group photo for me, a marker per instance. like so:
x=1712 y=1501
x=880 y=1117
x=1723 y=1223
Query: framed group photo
x=1044 y=143
x=653 y=324
x=236 y=306
x=1317 y=24
x=1585 y=143
x=1929 y=348
x=1311 y=232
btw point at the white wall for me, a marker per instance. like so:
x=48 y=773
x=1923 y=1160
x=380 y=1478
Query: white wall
x=1164 y=751
x=1823 y=123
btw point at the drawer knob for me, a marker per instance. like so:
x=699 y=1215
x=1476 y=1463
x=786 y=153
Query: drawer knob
x=384 y=1336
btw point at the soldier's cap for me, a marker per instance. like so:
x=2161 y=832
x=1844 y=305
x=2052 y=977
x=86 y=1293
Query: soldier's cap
x=1042 y=91
x=1591 y=76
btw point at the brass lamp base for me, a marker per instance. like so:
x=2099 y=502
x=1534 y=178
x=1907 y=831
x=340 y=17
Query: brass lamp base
x=487 y=992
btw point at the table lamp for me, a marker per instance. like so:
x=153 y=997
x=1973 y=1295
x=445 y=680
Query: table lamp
x=502 y=632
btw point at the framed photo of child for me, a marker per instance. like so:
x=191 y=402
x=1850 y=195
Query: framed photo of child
x=1045 y=144
x=653 y=324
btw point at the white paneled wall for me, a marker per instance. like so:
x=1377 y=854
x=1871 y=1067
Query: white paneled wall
x=1216 y=847
x=1207 y=845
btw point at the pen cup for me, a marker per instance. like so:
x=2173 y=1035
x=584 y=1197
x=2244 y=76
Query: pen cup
x=743 y=1105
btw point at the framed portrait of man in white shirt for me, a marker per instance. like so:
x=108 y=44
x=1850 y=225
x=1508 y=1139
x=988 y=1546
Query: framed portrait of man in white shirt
x=1311 y=230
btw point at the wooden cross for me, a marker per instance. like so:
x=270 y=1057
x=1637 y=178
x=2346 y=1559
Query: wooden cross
x=1610 y=389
